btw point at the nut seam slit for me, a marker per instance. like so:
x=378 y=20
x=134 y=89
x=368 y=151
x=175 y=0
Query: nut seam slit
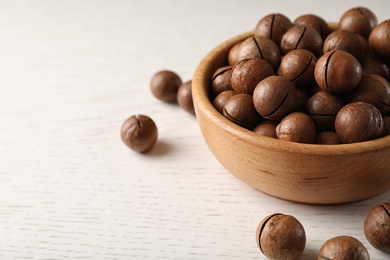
x=304 y=70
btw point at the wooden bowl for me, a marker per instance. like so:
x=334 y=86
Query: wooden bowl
x=305 y=173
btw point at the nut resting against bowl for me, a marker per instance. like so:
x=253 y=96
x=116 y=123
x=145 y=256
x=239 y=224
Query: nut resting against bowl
x=299 y=172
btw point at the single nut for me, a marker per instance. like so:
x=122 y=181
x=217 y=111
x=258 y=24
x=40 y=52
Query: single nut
x=296 y=127
x=260 y=47
x=345 y=41
x=184 y=97
x=327 y=137
x=221 y=99
x=281 y=236
x=232 y=56
x=275 y=97
x=139 y=133
x=360 y=20
x=240 y=110
x=164 y=85
x=323 y=107
x=248 y=73
x=298 y=67
x=273 y=26
x=220 y=81
x=372 y=89
x=358 y=122
x=266 y=128
x=302 y=37
x=373 y=65
x=379 y=40
x=314 y=21
x=331 y=68
x=342 y=248
x=377 y=227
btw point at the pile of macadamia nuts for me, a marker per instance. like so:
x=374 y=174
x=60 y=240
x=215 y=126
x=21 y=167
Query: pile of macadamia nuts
x=281 y=236
x=308 y=81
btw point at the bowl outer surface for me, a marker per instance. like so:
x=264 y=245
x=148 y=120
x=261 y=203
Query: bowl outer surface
x=306 y=173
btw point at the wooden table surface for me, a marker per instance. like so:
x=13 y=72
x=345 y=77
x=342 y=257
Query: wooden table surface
x=70 y=73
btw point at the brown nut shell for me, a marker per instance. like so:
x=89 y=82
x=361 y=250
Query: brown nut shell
x=298 y=66
x=314 y=21
x=360 y=20
x=266 y=128
x=221 y=99
x=373 y=89
x=296 y=127
x=323 y=107
x=379 y=40
x=337 y=72
x=358 y=122
x=184 y=97
x=246 y=74
x=139 y=133
x=260 y=47
x=345 y=41
x=281 y=236
x=240 y=110
x=165 y=84
x=275 y=97
x=273 y=26
x=377 y=227
x=342 y=248
x=302 y=37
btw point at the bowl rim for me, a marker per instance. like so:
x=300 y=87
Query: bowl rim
x=203 y=104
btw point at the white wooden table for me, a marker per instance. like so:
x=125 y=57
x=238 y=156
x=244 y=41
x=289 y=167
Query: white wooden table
x=70 y=73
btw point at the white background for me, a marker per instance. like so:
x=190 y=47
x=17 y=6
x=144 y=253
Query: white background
x=70 y=73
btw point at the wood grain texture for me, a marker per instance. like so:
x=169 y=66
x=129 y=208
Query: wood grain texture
x=71 y=73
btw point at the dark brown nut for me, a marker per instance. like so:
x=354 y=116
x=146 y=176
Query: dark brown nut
x=273 y=26
x=247 y=74
x=281 y=236
x=260 y=47
x=372 y=89
x=139 y=133
x=314 y=21
x=184 y=97
x=240 y=110
x=379 y=40
x=232 y=56
x=327 y=137
x=275 y=97
x=323 y=107
x=298 y=67
x=302 y=37
x=302 y=97
x=377 y=227
x=221 y=99
x=373 y=65
x=296 y=127
x=345 y=41
x=358 y=122
x=365 y=46
x=220 y=81
x=386 y=128
x=164 y=85
x=342 y=248
x=359 y=20
x=331 y=70
x=266 y=128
